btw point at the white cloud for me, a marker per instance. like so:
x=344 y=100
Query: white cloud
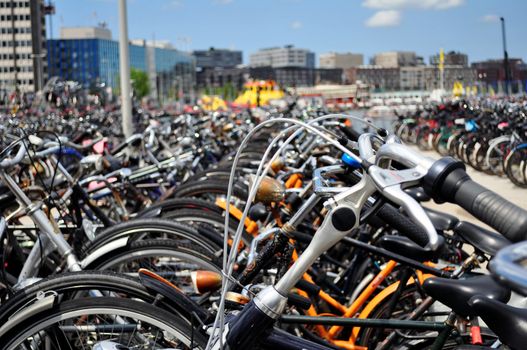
x=295 y=25
x=387 y=18
x=418 y=4
x=175 y=4
x=490 y=18
x=223 y=2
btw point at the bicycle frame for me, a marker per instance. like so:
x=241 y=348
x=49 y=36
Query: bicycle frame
x=49 y=239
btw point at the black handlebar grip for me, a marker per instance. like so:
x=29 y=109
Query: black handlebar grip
x=447 y=180
x=494 y=210
x=308 y=287
x=298 y=301
x=350 y=133
x=390 y=215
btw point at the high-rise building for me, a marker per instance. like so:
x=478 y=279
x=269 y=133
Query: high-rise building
x=22 y=44
x=217 y=58
x=279 y=57
x=396 y=59
x=340 y=60
x=89 y=55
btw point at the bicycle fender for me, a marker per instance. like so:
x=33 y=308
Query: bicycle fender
x=105 y=249
x=26 y=312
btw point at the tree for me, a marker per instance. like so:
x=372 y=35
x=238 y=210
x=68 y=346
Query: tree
x=140 y=82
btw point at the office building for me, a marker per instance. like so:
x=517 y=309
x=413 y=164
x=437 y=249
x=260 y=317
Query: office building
x=218 y=66
x=491 y=73
x=451 y=58
x=100 y=32
x=22 y=44
x=297 y=76
x=279 y=57
x=219 y=77
x=412 y=78
x=89 y=56
x=396 y=59
x=379 y=78
x=340 y=60
x=451 y=74
x=217 y=58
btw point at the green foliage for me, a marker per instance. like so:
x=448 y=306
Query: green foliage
x=140 y=82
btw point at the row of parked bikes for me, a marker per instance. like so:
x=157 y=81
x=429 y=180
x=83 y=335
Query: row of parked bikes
x=221 y=231
x=489 y=136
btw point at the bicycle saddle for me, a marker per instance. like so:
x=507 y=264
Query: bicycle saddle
x=418 y=193
x=483 y=240
x=509 y=323
x=456 y=293
x=442 y=221
x=406 y=247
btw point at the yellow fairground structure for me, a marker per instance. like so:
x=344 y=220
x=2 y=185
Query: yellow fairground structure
x=458 y=89
x=265 y=90
x=212 y=103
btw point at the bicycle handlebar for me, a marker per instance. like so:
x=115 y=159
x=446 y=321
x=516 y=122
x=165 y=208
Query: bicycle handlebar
x=447 y=180
x=9 y=162
x=507 y=266
x=390 y=182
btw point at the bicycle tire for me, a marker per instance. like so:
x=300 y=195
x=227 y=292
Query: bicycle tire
x=138 y=228
x=82 y=310
x=165 y=257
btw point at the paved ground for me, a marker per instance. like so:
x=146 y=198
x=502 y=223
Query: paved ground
x=502 y=186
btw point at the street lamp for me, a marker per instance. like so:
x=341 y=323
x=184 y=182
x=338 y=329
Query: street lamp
x=124 y=65
x=505 y=57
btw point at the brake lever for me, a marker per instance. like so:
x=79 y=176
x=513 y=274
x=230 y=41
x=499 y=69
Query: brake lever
x=390 y=184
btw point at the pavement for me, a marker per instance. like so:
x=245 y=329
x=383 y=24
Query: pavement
x=501 y=185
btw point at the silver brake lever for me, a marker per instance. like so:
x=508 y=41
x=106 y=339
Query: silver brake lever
x=389 y=183
x=414 y=211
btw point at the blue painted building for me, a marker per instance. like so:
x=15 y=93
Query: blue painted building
x=90 y=60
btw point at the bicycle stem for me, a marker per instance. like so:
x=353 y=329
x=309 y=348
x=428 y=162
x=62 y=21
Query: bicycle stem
x=342 y=218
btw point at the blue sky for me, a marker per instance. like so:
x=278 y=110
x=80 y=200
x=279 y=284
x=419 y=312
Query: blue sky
x=363 y=26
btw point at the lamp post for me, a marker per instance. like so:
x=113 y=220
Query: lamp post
x=505 y=58
x=124 y=62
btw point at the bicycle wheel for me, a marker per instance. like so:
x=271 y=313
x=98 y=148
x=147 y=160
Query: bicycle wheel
x=208 y=223
x=149 y=229
x=495 y=157
x=423 y=138
x=473 y=156
x=172 y=260
x=517 y=167
x=70 y=285
x=210 y=190
x=441 y=143
x=88 y=323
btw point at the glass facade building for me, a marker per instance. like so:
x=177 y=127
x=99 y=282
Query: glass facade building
x=95 y=60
